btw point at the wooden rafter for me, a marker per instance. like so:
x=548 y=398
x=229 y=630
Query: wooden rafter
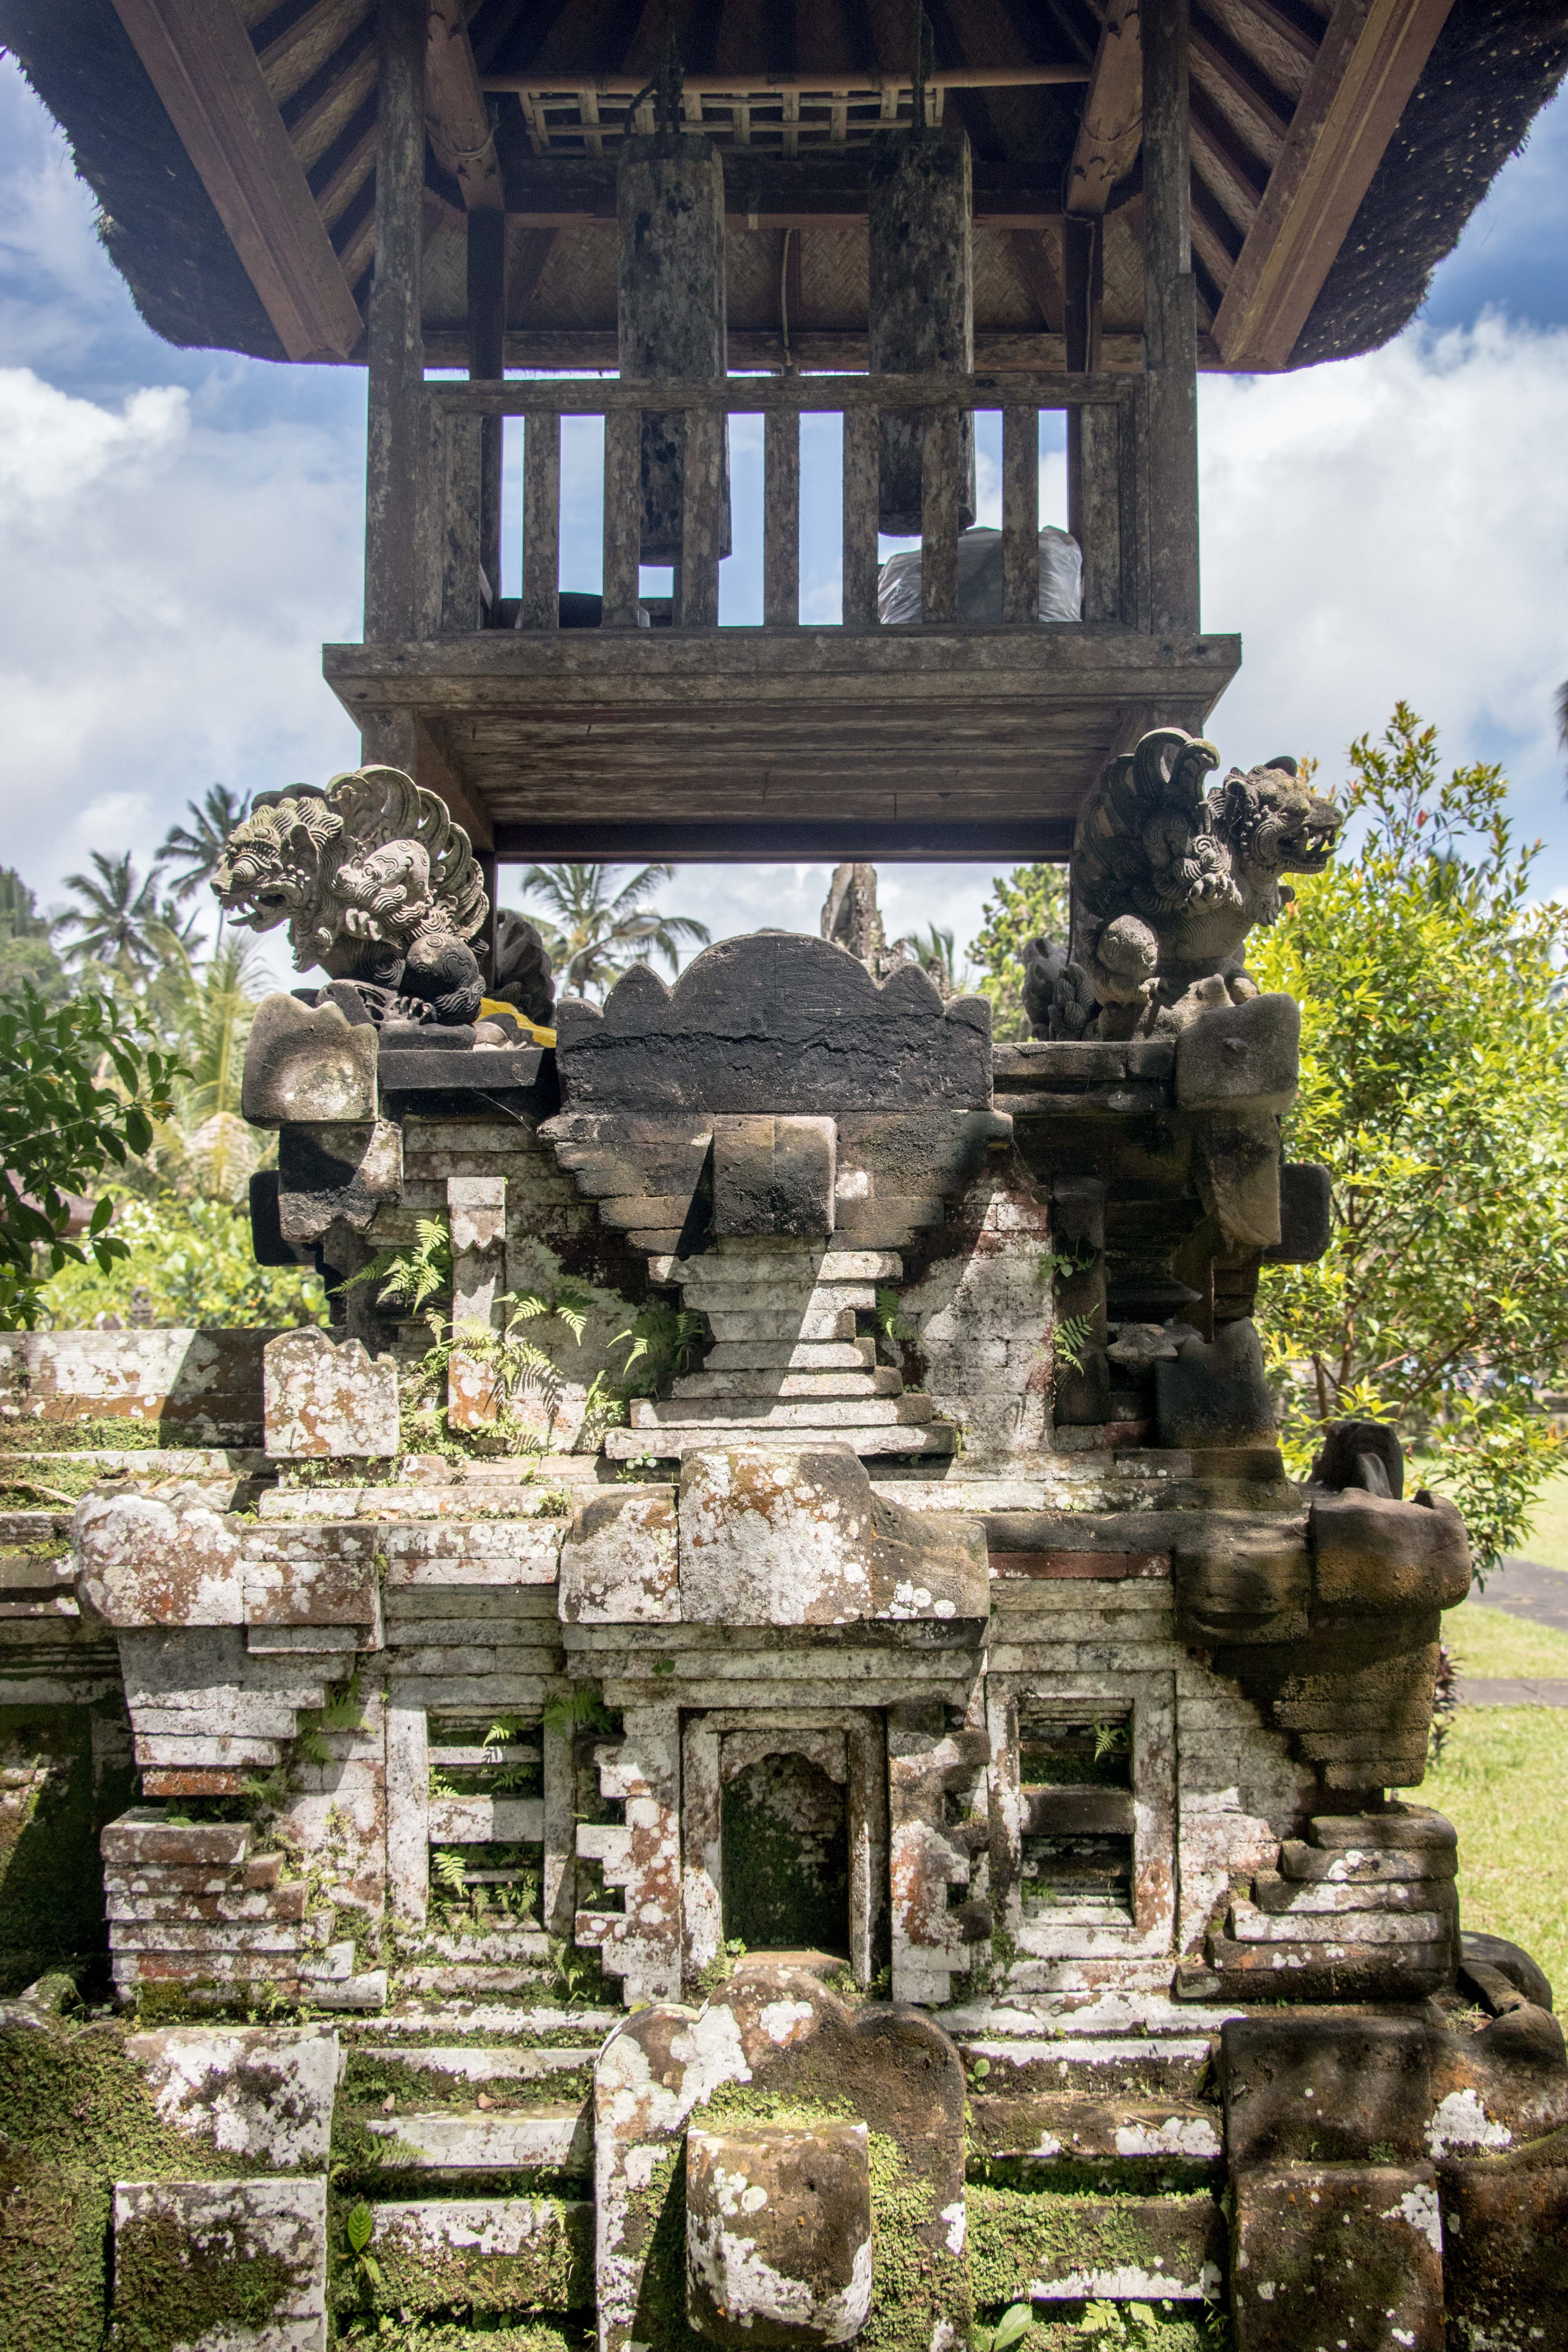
x=1372 y=56
x=1112 y=123
x=454 y=110
x=200 y=60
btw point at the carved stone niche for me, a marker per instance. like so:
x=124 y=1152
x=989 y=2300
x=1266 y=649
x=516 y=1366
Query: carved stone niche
x=787 y=1808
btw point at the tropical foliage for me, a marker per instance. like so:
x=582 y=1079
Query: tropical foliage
x=594 y=931
x=80 y=1088
x=1435 y=1089
x=1031 y=900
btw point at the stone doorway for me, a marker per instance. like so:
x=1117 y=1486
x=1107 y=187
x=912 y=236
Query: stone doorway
x=784 y=1834
x=785 y=1848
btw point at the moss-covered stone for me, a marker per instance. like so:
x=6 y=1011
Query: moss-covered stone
x=1017 y=2237
x=170 y=2291
x=422 y=2266
x=77 y=2115
x=51 y=1875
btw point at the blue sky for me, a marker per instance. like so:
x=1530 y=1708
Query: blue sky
x=180 y=531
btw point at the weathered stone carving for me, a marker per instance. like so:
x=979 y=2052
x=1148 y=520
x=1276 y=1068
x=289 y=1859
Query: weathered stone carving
x=1167 y=883
x=376 y=884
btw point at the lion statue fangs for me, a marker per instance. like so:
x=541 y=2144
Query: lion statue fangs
x=378 y=885
x=1167 y=883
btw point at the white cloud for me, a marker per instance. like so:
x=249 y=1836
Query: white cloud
x=1396 y=525
x=165 y=588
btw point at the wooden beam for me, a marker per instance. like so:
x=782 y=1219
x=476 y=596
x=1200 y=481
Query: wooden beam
x=974 y=841
x=1372 y=57
x=454 y=110
x=1112 y=128
x=1170 y=322
x=394 y=551
x=1032 y=257
x=199 y=58
x=764 y=191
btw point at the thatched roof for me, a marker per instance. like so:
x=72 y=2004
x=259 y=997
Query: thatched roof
x=1494 y=66
x=1287 y=98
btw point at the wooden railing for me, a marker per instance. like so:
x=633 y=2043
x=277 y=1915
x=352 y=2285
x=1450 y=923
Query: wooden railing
x=1108 y=456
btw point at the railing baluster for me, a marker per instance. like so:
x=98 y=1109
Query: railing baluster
x=938 y=515
x=862 y=450
x=701 y=476
x=623 y=516
x=781 y=520
x=1020 y=514
x=1099 y=434
x=541 y=520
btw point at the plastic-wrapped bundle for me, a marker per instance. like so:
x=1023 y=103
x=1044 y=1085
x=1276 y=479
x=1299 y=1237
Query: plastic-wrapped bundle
x=979 y=579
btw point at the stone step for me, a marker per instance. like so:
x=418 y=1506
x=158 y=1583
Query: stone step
x=936 y=1438
x=1403 y=1828
x=488 y=2253
x=470 y=2139
x=861 y=1413
x=1148 y=2067
x=503 y=2020
x=1328 y=1900
x=486 y=1821
x=761 y=1385
x=792 y=1356
x=496 y=1947
x=450 y=1981
x=1112 y=2250
x=468 y=2063
x=1248 y=1925
x=810 y=1323
x=1043 y=2128
x=715 y=1269
x=1349 y=1866
x=313 y=1504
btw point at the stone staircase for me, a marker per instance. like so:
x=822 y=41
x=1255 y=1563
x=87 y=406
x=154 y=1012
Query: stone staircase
x=789 y=1363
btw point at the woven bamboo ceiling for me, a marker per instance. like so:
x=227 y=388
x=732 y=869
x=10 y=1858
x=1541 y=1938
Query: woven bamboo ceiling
x=1337 y=146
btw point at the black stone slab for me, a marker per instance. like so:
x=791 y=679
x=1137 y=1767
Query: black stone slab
x=776 y=1022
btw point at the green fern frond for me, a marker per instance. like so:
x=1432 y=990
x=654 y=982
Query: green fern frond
x=447 y=1867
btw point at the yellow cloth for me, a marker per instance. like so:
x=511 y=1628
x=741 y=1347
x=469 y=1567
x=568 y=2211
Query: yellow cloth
x=488 y=1008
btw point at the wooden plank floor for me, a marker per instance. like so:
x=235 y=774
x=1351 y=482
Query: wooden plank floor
x=729 y=743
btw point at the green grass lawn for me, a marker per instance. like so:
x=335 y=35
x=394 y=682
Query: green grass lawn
x=1503 y=1783
x=1490 y=1642
x=1548 y=1538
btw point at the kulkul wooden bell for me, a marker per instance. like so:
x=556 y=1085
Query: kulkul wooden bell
x=669 y=209
x=921 y=299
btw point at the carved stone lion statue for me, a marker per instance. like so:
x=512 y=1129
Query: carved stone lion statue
x=376 y=885
x=1167 y=882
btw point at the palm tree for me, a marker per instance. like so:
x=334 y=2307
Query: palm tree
x=205 y=1146
x=119 y=918
x=198 y=846
x=592 y=932
x=934 y=952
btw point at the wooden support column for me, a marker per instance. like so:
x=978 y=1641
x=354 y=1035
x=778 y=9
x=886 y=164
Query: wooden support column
x=1103 y=153
x=487 y=337
x=1170 y=322
x=395 y=558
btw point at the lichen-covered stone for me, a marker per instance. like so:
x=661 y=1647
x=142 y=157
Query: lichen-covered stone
x=236 y=2264
x=143 y=1560
x=326 y=1398
x=1337 y=2258
x=773 y=1536
x=778 y=2234
x=261 y=2095
x=307 y=1063
x=512 y=2255
x=1328 y=2089
x=618 y=1562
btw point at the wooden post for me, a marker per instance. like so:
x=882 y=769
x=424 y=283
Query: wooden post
x=487 y=332
x=1083 y=250
x=861 y=446
x=920 y=318
x=942 y=467
x=670 y=308
x=702 y=527
x=1170 y=322
x=395 y=462
x=623 y=516
x=1020 y=514
x=541 y=520
x=781 y=519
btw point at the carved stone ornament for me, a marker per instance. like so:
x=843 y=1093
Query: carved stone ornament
x=376 y=884
x=1167 y=882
